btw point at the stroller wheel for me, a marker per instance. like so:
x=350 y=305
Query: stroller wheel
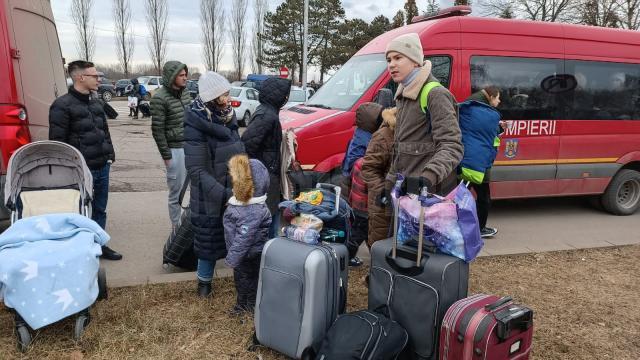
x=82 y=321
x=102 y=284
x=24 y=338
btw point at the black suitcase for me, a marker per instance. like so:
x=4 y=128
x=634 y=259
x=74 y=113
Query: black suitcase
x=178 y=250
x=145 y=109
x=417 y=287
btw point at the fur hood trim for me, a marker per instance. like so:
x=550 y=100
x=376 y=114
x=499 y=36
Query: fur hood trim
x=241 y=177
x=389 y=117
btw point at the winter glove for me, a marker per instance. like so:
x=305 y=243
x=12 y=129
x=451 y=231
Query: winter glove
x=414 y=185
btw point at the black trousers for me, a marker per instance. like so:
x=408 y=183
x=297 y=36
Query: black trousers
x=246 y=277
x=359 y=233
x=483 y=202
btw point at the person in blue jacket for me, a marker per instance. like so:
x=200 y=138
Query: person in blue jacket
x=481 y=124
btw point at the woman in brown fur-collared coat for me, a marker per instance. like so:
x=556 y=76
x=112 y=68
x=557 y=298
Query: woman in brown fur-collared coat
x=374 y=170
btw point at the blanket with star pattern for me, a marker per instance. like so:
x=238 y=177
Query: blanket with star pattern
x=49 y=266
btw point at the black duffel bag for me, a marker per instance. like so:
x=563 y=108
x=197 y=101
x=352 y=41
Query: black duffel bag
x=363 y=335
x=178 y=250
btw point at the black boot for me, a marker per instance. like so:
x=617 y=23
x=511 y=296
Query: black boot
x=204 y=289
x=110 y=254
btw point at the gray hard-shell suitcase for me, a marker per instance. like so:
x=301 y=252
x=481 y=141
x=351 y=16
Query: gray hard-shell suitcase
x=301 y=291
x=417 y=287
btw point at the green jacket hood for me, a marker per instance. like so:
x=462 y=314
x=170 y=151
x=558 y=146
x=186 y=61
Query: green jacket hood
x=170 y=71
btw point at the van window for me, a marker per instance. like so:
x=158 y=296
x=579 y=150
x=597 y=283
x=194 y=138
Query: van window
x=441 y=68
x=604 y=91
x=153 y=81
x=520 y=82
x=349 y=83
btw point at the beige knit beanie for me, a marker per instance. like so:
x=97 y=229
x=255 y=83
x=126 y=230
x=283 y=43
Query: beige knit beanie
x=408 y=45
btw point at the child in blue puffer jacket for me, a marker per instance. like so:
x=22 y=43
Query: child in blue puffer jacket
x=246 y=227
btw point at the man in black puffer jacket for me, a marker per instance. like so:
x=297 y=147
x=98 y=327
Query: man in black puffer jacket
x=263 y=137
x=79 y=120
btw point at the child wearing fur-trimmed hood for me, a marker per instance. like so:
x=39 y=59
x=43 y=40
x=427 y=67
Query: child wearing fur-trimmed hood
x=246 y=227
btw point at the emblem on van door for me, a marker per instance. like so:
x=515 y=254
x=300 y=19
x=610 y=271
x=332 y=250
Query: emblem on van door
x=511 y=148
x=559 y=83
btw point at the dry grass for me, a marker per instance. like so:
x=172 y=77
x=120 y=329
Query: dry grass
x=585 y=305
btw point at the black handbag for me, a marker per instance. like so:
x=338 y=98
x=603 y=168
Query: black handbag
x=178 y=250
x=109 y=111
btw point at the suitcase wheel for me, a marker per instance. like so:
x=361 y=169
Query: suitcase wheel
x=254 y=343
x=308 y=354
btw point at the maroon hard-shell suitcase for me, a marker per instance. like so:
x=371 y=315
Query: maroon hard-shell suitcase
x=486 y=327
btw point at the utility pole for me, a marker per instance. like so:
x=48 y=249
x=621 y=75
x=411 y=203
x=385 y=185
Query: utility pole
x=304 y=46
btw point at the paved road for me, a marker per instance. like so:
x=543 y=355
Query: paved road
x=139 y=224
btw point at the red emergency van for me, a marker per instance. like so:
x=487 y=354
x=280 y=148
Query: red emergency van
x=32 y=72
x=570 y=94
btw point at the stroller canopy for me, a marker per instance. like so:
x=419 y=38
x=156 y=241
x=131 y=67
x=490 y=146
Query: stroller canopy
x=47 y=165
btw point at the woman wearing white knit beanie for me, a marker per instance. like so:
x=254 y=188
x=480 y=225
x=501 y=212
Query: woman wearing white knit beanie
x=427 y=142
x=211 y=139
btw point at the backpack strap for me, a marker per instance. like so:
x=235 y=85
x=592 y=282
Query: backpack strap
x=424 y=94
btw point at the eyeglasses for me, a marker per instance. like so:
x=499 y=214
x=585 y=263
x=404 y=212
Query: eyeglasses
x=93 y=76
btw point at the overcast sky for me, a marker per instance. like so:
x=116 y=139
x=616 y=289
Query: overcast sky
x=183 y=28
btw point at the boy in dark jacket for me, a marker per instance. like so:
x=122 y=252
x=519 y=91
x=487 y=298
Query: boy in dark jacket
x=353 y=187
x=246 y=227
x=263 y=137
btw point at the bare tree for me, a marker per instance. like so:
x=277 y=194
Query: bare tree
x=599 y=13
x=81 y=15
x=124 y=38
x=541 y=10
x=212 y=19
x=257 y=42
x=156 y=15
x=630 y=14
x=238 y=35
x=544 y=10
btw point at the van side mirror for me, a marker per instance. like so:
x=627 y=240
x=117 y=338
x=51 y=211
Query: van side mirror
x=384 y=97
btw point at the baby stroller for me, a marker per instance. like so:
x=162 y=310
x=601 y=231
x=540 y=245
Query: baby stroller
x=48 y=191
x=333 y=210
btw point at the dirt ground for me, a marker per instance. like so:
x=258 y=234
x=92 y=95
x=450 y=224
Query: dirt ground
x=585 y=303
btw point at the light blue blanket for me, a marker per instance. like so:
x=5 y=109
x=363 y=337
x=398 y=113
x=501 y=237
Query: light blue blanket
x=49 y=266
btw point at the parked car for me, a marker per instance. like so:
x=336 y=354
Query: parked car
x=244 y=101
x=151 y=83
x=192 y=88
x=32 y=67
x=298 y=96
x=121 y=87
x=106 y=89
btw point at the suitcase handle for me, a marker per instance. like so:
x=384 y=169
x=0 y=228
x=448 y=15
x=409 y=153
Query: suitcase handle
x=405 y=262
x=497 y=304
x=394 y=250
x=335 y=189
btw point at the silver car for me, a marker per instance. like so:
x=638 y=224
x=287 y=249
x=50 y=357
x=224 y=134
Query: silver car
x=244 y=101
x=298 y=96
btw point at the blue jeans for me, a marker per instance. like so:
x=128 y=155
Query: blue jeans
x=274 y=229
x=205 y=270
x=100 y=195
